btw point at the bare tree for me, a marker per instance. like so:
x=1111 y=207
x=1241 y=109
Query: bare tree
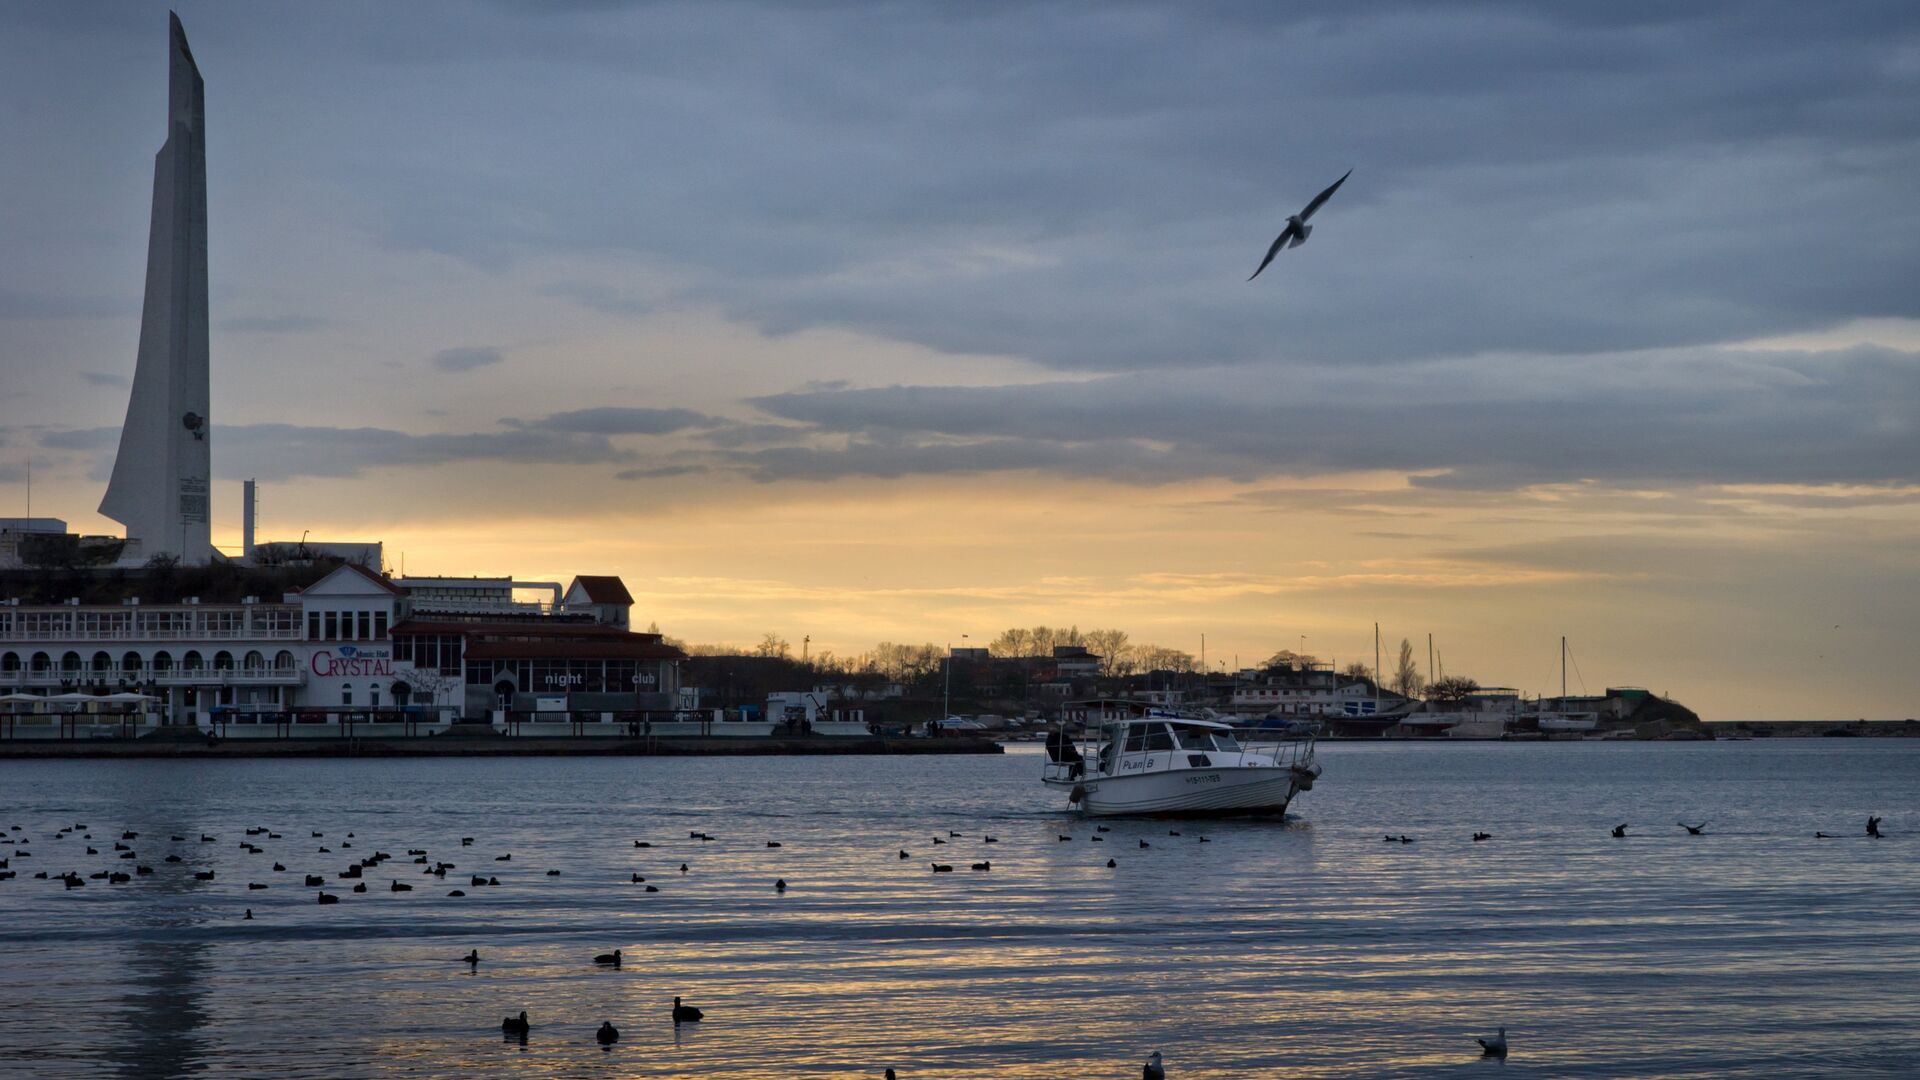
x=1111 y=647
x=1157 y=658
x=1406 y=673
x=773 y=645
x=1453 y=689
x=1358 y=670
x=1015 y=642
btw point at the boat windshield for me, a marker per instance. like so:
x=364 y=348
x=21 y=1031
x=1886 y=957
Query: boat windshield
x=1148 y=737
x=1193 y=738
x=1225 y=743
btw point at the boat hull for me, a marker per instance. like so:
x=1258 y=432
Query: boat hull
x=1212 y=792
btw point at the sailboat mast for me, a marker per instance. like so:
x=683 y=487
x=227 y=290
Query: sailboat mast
x=1376 y=668
x=1563 y=671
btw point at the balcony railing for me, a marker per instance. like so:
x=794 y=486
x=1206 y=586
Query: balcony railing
x=185 y=635
x=168 y=677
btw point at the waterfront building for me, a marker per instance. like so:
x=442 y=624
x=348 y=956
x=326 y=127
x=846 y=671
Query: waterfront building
x=1309 y=689
x=354 y=643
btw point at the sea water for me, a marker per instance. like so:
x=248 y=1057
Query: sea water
x=1309 y=948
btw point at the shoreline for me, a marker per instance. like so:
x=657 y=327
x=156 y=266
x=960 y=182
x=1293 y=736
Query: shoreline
x=494 y=746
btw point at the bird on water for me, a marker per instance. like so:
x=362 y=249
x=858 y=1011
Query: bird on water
x=472 y=957
x=1297 y=228
x=1873 y=827
x=609 y=958
x=516 y=1025
x=685 y=1014
x=1154 y=1069
x=607 y=1035
x=1494 y=1047
x=1693 y=830
x=1619 y=831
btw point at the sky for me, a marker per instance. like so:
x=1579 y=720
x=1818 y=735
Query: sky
x=857 y=321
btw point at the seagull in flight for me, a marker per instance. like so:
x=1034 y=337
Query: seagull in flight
x=1297 y=228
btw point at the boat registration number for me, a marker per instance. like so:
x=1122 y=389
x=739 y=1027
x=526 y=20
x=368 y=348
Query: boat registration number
x=1209 y=778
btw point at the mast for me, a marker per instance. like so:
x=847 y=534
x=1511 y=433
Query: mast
x=1376 y=669
x=1563 y=672
x=1429 y=660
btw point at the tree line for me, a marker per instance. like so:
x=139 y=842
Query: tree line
x=1119 y=657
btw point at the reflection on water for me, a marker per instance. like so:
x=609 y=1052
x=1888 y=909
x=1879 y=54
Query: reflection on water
x=1304 y=949
x=162 y=1010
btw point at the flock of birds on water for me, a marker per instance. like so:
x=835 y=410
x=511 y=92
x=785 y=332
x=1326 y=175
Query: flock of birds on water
x=520 y=1026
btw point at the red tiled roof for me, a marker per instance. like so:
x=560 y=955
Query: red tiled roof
x=603 y=589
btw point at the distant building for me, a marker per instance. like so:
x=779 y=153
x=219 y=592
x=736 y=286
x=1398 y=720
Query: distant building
x=354 y=641
x=1073 y=661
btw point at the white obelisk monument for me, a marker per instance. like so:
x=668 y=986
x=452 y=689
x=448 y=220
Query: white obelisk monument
x=159 y=489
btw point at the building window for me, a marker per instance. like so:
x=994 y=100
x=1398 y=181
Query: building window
x=366 y=626
x=333 y=626
x=380 y=625
x=346 y=696
x=373 y=695
x=313 y=626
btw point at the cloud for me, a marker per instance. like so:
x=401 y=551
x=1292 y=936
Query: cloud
x=98 y=438
x=466 y=358
x=659 y=472
x=272 y=324
x=37 y=305
x=282 y=451
x=1648 y=180
x=103 y=378
x=619 y=420
x=1717 y=416
x=602 y=298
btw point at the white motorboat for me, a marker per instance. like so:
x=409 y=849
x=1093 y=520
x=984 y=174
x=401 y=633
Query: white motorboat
x=1160 y=764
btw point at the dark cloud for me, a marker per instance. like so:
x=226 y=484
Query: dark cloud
x=273 y=324
x=278 y=451
x=738 y=436
x=1577 y=199
x=103 y=378
x=283 y=451
x=468 y=357
x=617 y=420
x=1528 y=178
x=1700 y=416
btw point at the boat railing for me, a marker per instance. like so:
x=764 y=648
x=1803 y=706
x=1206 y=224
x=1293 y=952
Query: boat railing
x=1287 y=748
x=1075 y=758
